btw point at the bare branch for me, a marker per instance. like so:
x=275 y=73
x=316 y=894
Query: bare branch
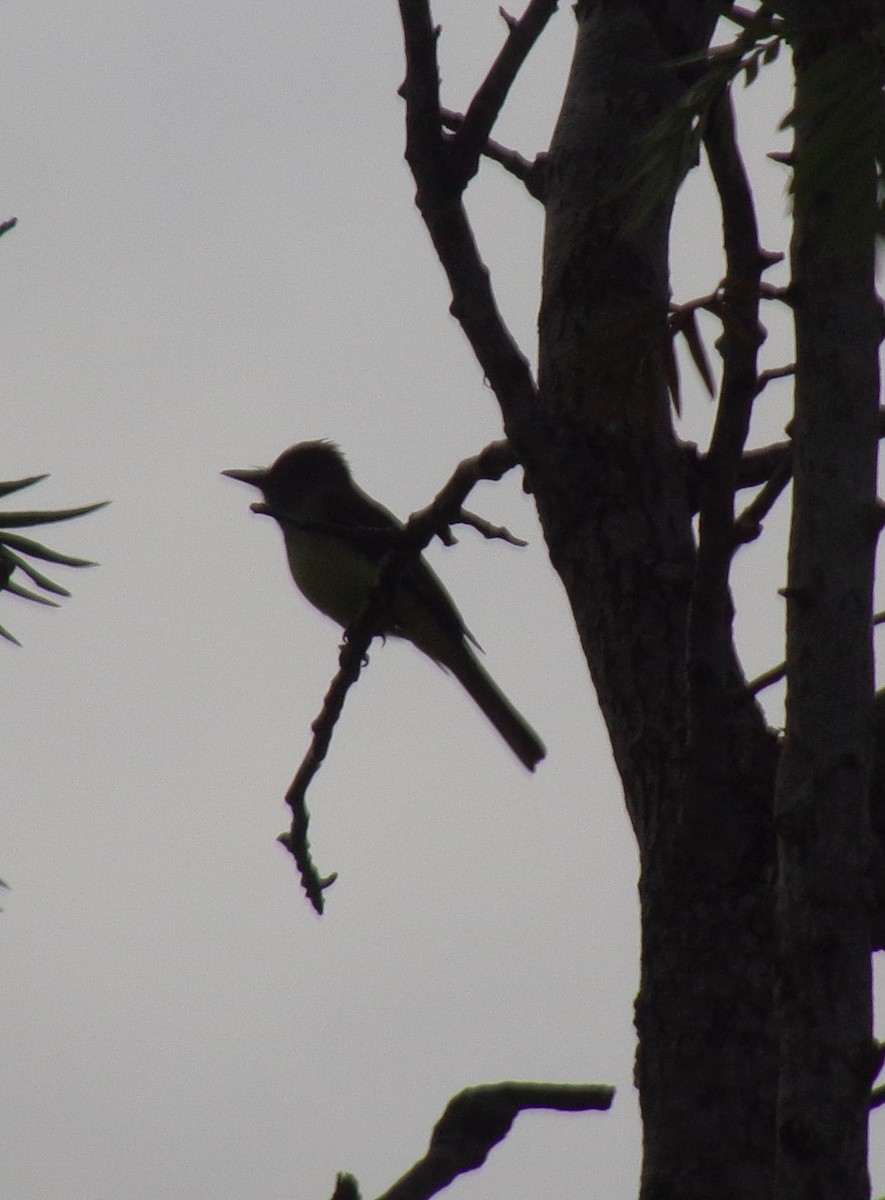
x=767 y=679
x=757 y=466
x=477 y=1119
x=420 y=90
x=711 y=302
x=766 y=377
x=749 y=523
x=492 y=464
x=481 y=525
x=505 y=16
x=776 y=674
x=438 y=197
x=471 y=139
x=753 y=18
x=711 y=609
x=531 y=173
x=769 y=291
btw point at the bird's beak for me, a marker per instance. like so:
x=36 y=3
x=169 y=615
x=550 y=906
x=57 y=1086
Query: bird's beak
x=256 y=477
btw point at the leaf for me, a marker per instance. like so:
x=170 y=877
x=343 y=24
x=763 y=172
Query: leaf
x=670 y=146
x=16 y=520
x=671 y=369
x=692 y=335
x=14 y=485
x=27 y=546
x=26 y=594
x=4 y=633
x=31 y=571
x=7 y=566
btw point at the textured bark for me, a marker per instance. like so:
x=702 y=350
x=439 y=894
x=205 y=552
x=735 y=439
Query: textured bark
x=614 y=492
x=824 y=845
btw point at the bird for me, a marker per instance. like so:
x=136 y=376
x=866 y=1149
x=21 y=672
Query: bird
x=326 y=521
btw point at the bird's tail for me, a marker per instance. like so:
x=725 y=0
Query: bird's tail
x=513 y=727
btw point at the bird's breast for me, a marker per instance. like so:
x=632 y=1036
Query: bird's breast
x=333 y=575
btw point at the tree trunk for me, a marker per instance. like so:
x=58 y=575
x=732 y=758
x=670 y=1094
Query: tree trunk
x=615 y=493
x=824 y=844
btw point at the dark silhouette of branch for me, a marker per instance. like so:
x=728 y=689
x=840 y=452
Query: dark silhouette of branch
x=404 y=545
x=471 y=139
x=439 y=188
x=767 y=679
x=776 y=674
x=767 y=377
x=473 y=1123
x=711 y=608
x=757 y=466
x=748 y=525
x=531 y=173
x=481 y=525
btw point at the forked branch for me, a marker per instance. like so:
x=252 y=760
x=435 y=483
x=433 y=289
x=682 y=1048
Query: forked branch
x=530 y=172
x=438 y=166
x=471 y=140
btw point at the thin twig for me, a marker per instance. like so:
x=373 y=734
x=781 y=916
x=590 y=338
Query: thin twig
x=757 y=466
x=482 y=113
x=776 y=674
x=748 y=525
x=766 y=377
x=767 y=679
x=481 y=525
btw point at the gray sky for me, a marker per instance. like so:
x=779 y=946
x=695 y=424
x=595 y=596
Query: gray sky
x=218 y=255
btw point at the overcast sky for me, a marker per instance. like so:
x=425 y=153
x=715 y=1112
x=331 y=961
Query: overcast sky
x=218 y=255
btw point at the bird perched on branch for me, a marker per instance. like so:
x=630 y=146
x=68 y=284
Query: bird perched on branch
x=327 y=523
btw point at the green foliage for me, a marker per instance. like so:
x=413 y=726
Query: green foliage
x=15 y=550
x=671 y=146
x=839 y=99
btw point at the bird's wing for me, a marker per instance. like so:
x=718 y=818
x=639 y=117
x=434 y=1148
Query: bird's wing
x=417 y=578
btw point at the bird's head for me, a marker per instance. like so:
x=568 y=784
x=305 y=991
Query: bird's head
x=300 y=479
